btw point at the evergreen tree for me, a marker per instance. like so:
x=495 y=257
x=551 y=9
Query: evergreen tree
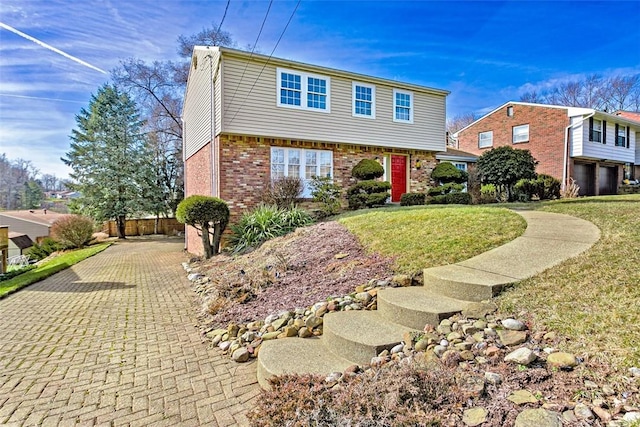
x=109 y=158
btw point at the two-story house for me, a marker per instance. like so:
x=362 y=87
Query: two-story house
x=249 y=118
x=596 y=149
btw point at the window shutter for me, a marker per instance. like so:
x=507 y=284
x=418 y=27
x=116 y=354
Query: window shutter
x=615 y=136
x=628 y=135
x=590 y=128
x=604 y=131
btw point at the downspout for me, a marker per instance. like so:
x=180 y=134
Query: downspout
x=212 y=129
x=566 y=149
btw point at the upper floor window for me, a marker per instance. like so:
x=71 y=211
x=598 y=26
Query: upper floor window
x=485 y=139
x=621 y=136
x=520 y=134
x=302 y=90
x=595 y=130
x=302 y=163
x=364 y=100
x=403 y=106
x=510 y=111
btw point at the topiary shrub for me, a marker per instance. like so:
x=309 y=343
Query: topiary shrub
x=367 y=194
x=264 y=223
x=367 y=169
x=446 y=172
x=326 y=192
x=413 y=199
x=283 y=191
x=72 y=231
x=209 y=215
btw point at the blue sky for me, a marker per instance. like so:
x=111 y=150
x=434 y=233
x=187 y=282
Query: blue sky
x=485 y=53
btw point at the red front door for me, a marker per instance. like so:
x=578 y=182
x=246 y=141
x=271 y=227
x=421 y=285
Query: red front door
x=398 y=177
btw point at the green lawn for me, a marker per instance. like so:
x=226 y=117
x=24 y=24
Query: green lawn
x=49 y=268
x=594 y=299
x=429 y=236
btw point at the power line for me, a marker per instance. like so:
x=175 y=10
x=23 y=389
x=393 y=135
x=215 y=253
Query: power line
x=266 y=63
x=253 y=48
x=223 y=17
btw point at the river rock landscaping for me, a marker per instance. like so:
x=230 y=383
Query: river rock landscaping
x=502 y=369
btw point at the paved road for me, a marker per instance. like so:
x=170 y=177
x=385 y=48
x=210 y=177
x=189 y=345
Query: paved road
x=112 y=341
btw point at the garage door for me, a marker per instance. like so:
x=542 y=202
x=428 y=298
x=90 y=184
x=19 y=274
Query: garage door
x=607 y=180
x=585 y=177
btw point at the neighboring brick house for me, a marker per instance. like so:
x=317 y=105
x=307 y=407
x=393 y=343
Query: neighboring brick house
x=596 y=149
x=249 y=118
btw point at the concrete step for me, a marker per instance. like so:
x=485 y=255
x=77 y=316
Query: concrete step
x=297 y=356
x=360 y=335
x=465 y=283
x=415 y=306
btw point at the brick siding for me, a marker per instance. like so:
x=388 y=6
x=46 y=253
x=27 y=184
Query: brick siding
x=245 y=163
x=546 y=134
x=198 y=175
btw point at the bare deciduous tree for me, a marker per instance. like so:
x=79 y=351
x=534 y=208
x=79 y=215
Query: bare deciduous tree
x=594 y=91
x=157 y=89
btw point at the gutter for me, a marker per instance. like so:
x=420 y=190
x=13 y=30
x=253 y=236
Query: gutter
x=566 y=148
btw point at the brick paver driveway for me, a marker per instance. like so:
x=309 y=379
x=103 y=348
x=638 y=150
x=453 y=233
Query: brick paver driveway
x=112 y=341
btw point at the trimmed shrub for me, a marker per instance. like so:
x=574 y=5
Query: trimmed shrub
x=367 y=169
x=446 y=172
x=46 y=247
x=264 y=223
x=525 y=189
x=451 y=199
x=209 y=215
x=327 y=193
x=458 y=198
x=413 y=199
x=550 y=187
x=544 y=187
x=283 y=191
x=450 y=187
x=72 y=231
x=367 y=194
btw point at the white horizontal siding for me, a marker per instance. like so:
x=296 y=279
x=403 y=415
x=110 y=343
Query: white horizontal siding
x=582 y=147
x=197 y=104
x=253 y=110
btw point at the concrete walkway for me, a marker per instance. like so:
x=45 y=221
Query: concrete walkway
x=112 y=341
x=354 y=337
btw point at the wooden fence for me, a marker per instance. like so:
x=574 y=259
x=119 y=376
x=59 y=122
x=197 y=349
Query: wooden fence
x=142 y=227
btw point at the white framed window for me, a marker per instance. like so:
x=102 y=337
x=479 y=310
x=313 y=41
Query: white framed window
x=520 y=134
x=485 y=139
x=621 y=136
x=302 y=163
x=460 y=166
x=364 y=100
x=595 y=131
x=303 y=90
x=402 y=106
